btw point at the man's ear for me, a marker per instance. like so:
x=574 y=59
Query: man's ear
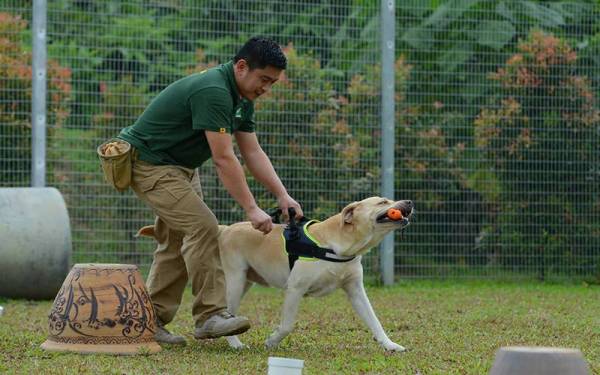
x=348 y=213
x=241 y=66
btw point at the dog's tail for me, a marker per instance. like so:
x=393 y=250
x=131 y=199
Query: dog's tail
x=147 y=231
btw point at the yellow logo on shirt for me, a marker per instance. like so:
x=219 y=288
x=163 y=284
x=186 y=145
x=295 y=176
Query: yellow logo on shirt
x=222 y=130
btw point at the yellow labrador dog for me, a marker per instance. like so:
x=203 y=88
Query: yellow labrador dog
x=249 y=256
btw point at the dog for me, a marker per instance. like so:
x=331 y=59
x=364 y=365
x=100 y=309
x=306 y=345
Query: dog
x=248 y=256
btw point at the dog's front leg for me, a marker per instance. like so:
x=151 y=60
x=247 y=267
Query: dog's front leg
x=358 y=297
x=288 y=316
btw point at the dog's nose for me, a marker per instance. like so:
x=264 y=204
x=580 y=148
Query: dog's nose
x=406 y=206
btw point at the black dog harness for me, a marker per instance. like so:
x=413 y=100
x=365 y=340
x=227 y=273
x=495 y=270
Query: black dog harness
x=299 y=244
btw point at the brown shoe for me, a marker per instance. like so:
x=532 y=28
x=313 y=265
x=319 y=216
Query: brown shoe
x=163 y=336
x=222 y=324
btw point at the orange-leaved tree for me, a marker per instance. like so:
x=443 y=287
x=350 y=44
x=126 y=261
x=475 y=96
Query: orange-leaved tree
x=540 y=136
x=15 y=100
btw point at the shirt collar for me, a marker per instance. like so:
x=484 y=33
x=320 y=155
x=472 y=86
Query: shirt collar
x=228 y=68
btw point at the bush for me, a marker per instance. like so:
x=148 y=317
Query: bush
x=15 y=101
x=540 y=137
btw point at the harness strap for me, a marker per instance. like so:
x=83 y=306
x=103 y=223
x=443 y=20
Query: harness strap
x=299 y=243
x=312 y=250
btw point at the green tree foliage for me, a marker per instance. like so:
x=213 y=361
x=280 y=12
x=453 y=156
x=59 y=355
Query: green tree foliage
x=455 y=45
x=496 y=124
x=458 y=42
x=15 y=101
x=540 y=136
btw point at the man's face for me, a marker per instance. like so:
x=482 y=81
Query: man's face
x=253 y=83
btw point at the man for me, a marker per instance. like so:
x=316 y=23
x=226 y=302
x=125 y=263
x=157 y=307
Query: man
x=190 y=121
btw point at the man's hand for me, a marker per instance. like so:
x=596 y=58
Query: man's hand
x=286 y=202
x=260 y=220
x=261 y=168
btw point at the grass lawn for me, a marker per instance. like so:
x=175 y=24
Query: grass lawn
x=449 y=328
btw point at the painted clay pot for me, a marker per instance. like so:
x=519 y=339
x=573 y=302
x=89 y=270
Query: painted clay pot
x=102 y=308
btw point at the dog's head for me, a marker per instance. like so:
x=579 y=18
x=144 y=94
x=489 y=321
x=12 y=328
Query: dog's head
x=366 y=222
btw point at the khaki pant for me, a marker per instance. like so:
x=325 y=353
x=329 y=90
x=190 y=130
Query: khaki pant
x=186 y=231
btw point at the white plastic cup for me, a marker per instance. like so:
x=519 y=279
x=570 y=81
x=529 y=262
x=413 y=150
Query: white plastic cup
x=285 y=366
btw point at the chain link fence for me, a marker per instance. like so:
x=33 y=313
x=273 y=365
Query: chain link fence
x=497 y=123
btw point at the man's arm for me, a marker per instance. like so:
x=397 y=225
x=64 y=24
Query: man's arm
x=232 y=175
x=262 y=169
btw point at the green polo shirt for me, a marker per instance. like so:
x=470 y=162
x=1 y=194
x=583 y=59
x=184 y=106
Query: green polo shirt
x=171 y=129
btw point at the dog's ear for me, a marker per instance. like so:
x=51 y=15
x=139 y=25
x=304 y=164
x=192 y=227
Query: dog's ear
x=147 y=231
x=348 y=213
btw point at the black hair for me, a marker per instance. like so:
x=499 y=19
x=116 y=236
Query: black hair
x=260 y=52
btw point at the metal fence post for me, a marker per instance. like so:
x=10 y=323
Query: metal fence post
x=38 y=95
x=387 y=129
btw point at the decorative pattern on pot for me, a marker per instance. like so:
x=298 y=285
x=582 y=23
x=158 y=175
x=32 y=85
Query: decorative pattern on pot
x=102 y=308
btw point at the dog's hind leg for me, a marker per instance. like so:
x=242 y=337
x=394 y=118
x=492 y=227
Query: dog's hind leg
x=237 y=286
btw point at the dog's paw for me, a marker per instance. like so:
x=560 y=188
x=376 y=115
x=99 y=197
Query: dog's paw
x=235 y=343
x=271 y=343
x=238 y=346
x=393 y=347
x=275 y=338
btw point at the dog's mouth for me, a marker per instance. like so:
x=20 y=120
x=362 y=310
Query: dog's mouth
x=405 y=207
x=383 y=218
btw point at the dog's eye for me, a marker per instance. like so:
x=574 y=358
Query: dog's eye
x=382 y=203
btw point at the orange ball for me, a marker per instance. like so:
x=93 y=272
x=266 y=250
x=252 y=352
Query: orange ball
x=394 y=214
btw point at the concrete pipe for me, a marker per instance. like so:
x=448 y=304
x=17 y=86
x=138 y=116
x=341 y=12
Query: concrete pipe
x=35 y=242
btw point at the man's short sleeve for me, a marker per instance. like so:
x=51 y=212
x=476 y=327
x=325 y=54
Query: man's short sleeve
x=247 y=123
x=247 y=126
x=212 y=110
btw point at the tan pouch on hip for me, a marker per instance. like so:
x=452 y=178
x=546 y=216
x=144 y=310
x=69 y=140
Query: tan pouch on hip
x=116 y=158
